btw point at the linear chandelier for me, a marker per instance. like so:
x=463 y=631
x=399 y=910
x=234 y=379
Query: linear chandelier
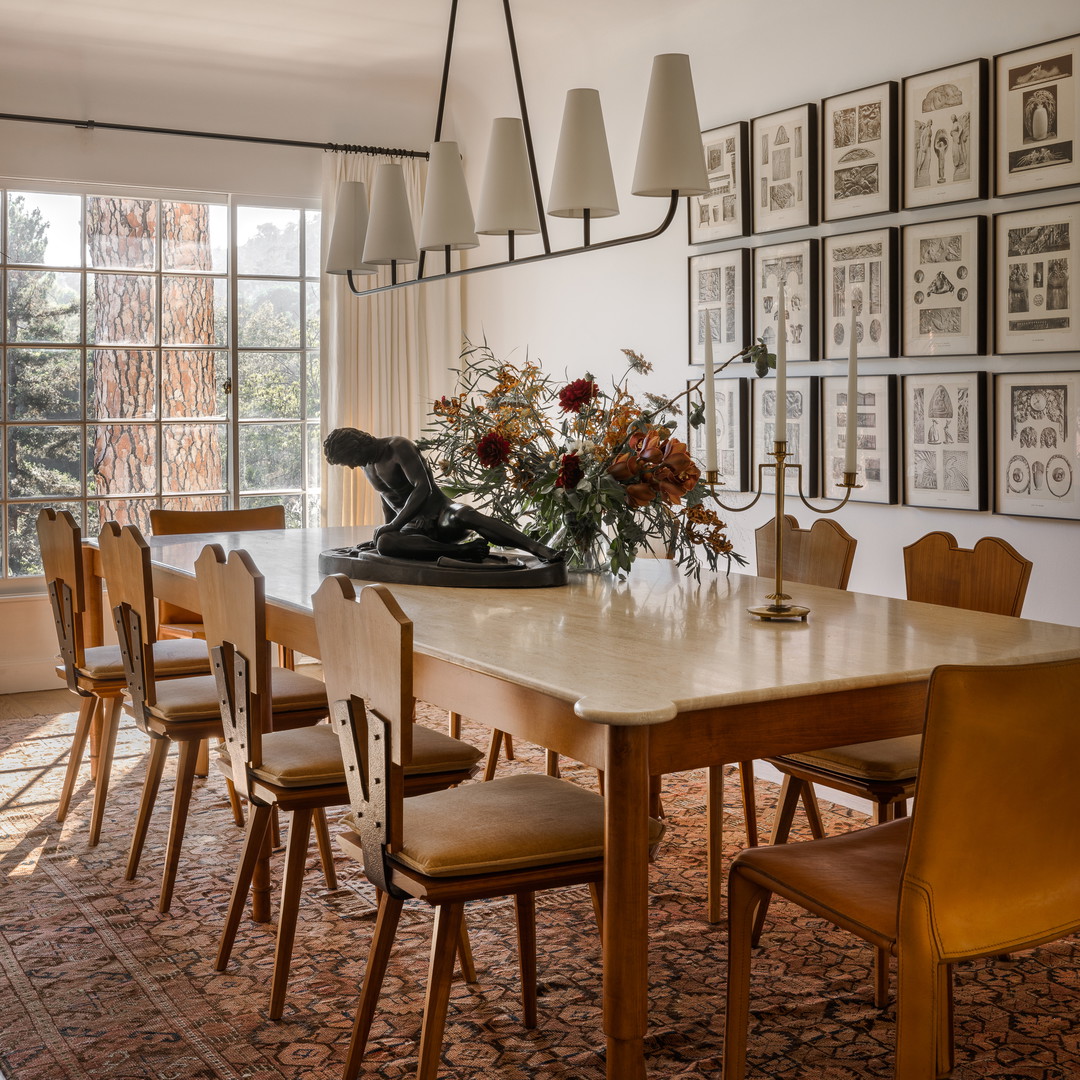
x=670 y=165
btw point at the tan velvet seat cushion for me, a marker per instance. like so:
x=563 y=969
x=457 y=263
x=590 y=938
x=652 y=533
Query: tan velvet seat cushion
x=435 y=752
x=853 y=879
x=171 y=658
x=197 y=698
x=887 y=760
x=509 y=823
x=301 y=757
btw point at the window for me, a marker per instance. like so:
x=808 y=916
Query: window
x=157 y=351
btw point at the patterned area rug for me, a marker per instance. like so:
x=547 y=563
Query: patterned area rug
x=95 y=983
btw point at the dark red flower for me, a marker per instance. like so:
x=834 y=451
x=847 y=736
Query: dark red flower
x=493 y=449
x=570 y=472
x=574 y=396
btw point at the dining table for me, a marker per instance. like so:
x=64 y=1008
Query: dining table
x=654 y=672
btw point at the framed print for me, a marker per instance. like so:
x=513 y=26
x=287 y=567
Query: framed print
x=943 y=274
x=945 y=126
x=719 y=293
x=796 y=265
x=732 y=433
x=783 y=146
x=945 y=441
x=725 y=211
x=1038 y=452
x=802 y=433
x=859 y=160
x=859 y=270
x=1035 y=298
x=1038 y=117
x=875 y=432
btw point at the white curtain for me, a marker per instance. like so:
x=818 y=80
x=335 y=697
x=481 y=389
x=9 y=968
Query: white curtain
x=385 y=357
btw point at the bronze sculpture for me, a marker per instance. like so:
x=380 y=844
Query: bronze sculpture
x=424 y=529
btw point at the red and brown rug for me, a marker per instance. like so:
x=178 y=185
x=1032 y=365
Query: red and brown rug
x=95 y=983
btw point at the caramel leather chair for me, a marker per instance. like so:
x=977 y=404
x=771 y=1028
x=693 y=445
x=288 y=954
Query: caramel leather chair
x=183 y=712
x=178 y=622
x=969 y=874
x=297 y=770
x=992 y=576
x=95 y=674
x=508 y=837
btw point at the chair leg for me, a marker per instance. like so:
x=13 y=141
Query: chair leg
x=881 y=978
x=381 y=943
x=596 y=891
x=110 y=722
x=493 y=754
x=440 y=971
x=525 y=907
x=790 y=791
x=714 y=841
x=508 y=745
x=453 y=725
x=293 y=883
x=813 y=813
x=159 y=750
x=551 y=763
x=919 y=1007
x=236 y=804
x=744 y=900
x=656 y=790
x=946 y=1051
x=749 y=802
x=326 y=847
x=185 y=779
x=258 y=821
x=87 y=710
x=465 y=956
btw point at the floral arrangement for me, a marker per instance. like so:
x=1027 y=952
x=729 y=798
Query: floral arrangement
x=593 y=472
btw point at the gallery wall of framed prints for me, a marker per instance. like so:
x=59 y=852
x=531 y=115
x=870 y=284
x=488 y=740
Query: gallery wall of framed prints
x=962 y=313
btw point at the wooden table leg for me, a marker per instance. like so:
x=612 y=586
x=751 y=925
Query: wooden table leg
x=626 y=901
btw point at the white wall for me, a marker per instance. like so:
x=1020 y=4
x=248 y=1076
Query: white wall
x=577 y=313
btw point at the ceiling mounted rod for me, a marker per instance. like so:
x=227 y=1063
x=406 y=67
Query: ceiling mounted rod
x=670 y=165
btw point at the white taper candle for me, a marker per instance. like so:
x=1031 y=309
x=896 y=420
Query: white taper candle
x=781 y=365
x=852 y=396
x=709 y=393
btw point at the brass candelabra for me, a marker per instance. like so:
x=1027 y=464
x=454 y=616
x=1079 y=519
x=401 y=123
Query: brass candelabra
x=780 y=606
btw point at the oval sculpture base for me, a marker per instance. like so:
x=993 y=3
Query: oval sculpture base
x=780 y=612
x=513 y=571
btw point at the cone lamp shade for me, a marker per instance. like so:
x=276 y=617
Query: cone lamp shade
x=390 y=236
x=582 y=179
x=507 y=203
x=670 y=154
x=447 y=220
x=346 y=251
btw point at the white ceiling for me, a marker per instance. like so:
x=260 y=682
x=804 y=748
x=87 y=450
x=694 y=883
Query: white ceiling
x=361 y=67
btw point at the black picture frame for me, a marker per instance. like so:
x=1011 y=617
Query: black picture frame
x=718 y=284
x=784 y=168
x=803 y=433
x=943 y=279
x=797 y=262
x=1036 y=268
x=947 y=163
x=946 y=440
x=1037 y=133
x=860 y=268
x=724 y=213
x=878 y=426
x=732 y=433
x=859 y=152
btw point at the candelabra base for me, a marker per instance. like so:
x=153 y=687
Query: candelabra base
x=775 y=612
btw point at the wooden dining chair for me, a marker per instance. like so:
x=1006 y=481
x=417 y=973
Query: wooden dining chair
x=510 y=836
x=993 y=577
x=970 y=874
x=178 y=622
x=94 y=674
x=298 y=771
x=181 y=712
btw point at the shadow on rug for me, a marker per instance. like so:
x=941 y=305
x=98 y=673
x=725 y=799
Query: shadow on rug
x=94 y=982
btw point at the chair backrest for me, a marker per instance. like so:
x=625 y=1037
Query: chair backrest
x=994 y=844
x=125 y=563
x=820 y=555
x=60 y=541
x=180 y=522
x=232 y=593
x=367 y=654
x=992 y=576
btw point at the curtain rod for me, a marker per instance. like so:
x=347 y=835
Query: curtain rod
x=335 y=148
